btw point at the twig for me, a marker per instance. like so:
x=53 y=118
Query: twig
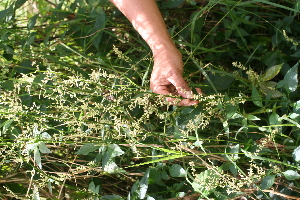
x=282 y=195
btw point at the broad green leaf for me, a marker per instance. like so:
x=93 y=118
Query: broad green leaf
x=296 y=106
x=36 y=194
x=37 y=158
x=293 y=115
x=207 y=181
x=274 y=119
x=296 y=154
x=30 y=39
x=7 y=13
x=143 y=185
x=3 y=13
x=291 y=175
x=114 y=150
x=235 y=150
x=109 y=166
x=19 y=3
x=267 y=182
x=32 y=22
x=111 y=197
x=173 y=3
x=150 y=198
x=269 y=88
x=43 y=148
x=50 y=181
x=233 y=169
x=45 y=136
x=100 y=23
x=270 y=73
x=93 y=3
x=252 y=117
x=93 y=188
x=30 y=147
x=177 y=171
x=87 y=148
x=6 y=125
x=290 y=80
x=257 y=100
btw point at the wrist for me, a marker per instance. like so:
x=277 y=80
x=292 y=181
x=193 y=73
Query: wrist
x=167 y=58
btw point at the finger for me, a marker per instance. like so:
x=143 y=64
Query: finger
x=199 y=91
x=182 y=87
x=187 y=102
x=184 y=102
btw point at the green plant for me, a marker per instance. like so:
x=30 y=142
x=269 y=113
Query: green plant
x=78 y=120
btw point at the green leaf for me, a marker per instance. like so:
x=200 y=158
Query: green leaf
x=99 y=25
x=30 y=39
x=43 y=148
x=93 y=188
x=293 y=115
x=87 y=148
x=109 y=165
x=32 y=22
x=267 y=182
x=296 y=106
x=45 y=136
x=252 y=117
x=6 y=125
x=270 y=73
x=3 y=13
x=290 y=80
x=269 y=88
x=256 y=97
x=291 y=175
x=111 y=197
x=172 y=3
x=19 y=3
x=143 y=185
x=37 y=158
x=274 y=119
x=296 y=154
x=114 y=150
x=177 y=171
x=7 y=13
x=207 y=181
x=235 y=150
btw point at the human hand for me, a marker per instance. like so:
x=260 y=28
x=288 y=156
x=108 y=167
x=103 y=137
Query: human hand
x=166 y=78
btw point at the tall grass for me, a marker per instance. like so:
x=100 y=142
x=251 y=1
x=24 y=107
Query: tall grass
x=78 y=120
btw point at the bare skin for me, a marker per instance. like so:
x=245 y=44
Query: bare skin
x=166 y=77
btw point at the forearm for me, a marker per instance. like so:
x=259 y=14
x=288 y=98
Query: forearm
x=147 y=20
x=166 y=77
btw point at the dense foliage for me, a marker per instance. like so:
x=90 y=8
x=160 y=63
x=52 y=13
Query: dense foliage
x=78 y=120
